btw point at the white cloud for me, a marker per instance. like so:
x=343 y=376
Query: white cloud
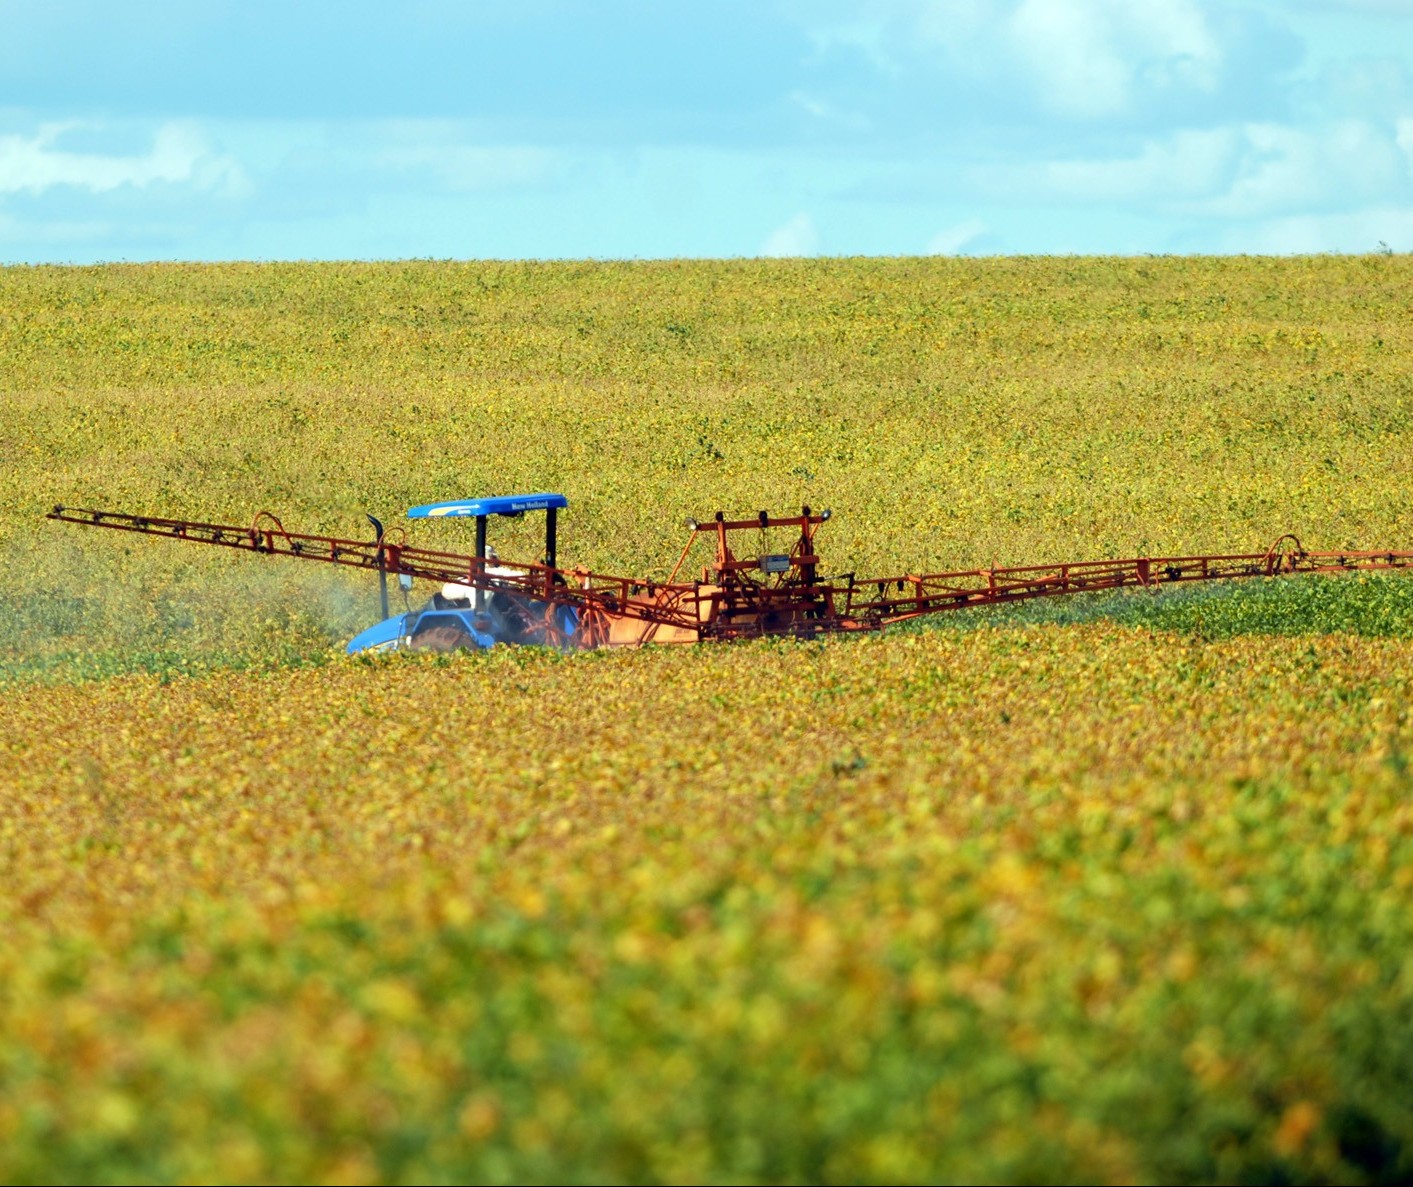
x=1074 y=60
x=1069 y=49
x=1239 y=172
x=1089 y=57
x=796 y=237
x=1286 y=169
x=1367 y=230
x=1193 y=164
x=1404 y=136
x=179 y=154
x=955 y=239
x=1369 y=87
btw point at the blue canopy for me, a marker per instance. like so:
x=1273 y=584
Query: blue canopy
x=495 y=505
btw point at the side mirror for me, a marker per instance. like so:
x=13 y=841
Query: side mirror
x=404 y=581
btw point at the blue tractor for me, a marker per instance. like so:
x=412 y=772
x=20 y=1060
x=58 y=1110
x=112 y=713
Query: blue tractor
x=463 y=616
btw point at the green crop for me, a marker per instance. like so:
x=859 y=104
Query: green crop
x=1112 y=889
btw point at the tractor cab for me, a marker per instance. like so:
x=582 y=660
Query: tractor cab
x=480 y=615
x=481 y=510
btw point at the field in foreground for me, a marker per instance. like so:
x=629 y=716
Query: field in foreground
x=1114 y=890
x=1057 y=903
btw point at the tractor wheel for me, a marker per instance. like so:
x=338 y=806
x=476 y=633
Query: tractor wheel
x=442 y=638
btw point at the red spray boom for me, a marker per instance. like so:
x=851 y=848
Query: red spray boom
x=485 y=599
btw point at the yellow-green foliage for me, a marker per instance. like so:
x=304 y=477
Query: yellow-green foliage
x=1058 y=898
x=953 y=412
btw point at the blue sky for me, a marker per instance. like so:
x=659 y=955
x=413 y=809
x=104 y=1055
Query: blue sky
x=304 y=129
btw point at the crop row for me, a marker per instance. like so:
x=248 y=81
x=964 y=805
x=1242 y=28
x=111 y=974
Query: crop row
x=1045 y=902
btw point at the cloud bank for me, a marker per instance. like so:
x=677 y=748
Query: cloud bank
x=782 y=127
x=179 y=155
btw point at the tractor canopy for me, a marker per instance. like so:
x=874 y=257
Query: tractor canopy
x=493 y=505
x=482 y=509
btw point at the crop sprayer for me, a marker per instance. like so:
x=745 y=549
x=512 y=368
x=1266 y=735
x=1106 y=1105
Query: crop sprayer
x=744 y=593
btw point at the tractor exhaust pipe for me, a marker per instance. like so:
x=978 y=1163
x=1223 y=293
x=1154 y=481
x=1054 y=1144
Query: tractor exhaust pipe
x=382 y=568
